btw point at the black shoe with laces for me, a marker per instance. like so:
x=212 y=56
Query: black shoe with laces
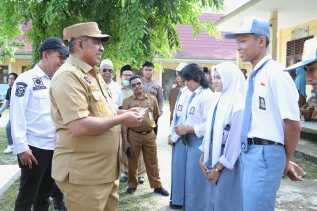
x=161 y=191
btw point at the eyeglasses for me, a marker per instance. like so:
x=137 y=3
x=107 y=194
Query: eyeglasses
x=107 y=70
x=136 y=84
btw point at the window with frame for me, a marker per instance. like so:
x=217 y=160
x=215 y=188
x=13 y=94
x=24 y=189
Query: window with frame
x=294 y=50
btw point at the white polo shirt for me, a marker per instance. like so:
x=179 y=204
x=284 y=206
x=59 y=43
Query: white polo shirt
x=275 y=98
x=30 y=112
x=115 y=90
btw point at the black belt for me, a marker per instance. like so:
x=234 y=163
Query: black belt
x=260 y=141
x=142 y=132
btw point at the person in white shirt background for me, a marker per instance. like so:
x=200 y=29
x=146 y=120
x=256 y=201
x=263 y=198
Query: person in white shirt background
x=221 y=144
x=270 y=123
x=33 y=131
x=192 y=131
x=179 y=152
x=6 y=104
x=106 y=70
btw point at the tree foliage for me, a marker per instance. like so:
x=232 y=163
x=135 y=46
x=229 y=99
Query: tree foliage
x=140 y=29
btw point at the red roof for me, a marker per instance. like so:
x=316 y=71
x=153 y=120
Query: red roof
x=203 y=46
x=200 y=47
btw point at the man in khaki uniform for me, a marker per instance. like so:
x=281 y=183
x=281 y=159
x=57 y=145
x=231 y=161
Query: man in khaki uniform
x=86 y=159
x=142 y=137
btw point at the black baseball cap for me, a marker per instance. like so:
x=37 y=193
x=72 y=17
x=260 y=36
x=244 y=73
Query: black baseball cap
x=54 y=43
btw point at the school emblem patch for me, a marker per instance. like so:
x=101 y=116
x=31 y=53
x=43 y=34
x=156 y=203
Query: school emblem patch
x=38 y=84
x=20 y=90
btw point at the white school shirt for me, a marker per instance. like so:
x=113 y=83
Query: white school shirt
x=30 y=112
x=115 y=91
x=198 y=110
x=275 y=98
x=179 y=111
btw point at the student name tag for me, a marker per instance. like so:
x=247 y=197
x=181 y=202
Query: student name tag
x=262 y=105
x=192 y=110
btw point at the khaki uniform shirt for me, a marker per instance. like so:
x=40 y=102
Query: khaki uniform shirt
x=172 y=99
x=156 y=90
x=151 y=115
x=78 y=91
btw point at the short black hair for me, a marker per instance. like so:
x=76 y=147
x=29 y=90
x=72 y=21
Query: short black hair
x=14 y=74
x=125 y=68
x=134 y=77
x=195 y=73
x=205 y=70
x=148 y=64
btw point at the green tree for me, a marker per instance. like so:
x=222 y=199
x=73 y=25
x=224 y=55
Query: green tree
x=140 y=29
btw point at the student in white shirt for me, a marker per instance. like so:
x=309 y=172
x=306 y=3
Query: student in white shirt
x=33 y=131
x=192 y=131
x=270 y=126
x=221 y=144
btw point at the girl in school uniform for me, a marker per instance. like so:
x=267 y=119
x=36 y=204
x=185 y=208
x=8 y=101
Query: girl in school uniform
x=192 y=131
x=221 y=144
x=179 y=152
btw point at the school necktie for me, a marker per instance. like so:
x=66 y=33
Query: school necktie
x=247 y=114
x=209 y=161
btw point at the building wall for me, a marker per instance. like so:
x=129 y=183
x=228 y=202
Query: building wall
x=17 y=65
x=285 y=35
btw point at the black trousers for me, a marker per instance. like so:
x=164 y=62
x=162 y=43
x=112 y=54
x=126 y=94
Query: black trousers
x=35 y=183
x=56 y=193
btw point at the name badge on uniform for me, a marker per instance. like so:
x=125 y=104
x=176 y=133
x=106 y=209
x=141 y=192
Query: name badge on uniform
x=179 y=108
x=101 y=107
x=151 y=117
x=262 y=105
x=192 y=110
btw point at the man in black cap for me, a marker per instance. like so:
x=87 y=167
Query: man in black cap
x=33 y=131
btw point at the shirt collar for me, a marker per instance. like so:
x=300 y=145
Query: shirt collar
x=80 y=64
x=39 y=72
x=264 y=59
x=198 y=90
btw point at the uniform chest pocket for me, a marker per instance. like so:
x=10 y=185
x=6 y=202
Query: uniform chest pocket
x=41 y=94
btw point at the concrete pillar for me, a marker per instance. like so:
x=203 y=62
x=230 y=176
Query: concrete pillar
x=274 y=31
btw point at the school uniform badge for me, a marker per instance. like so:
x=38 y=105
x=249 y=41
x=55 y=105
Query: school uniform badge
x=262 y=105
x=38 y=84
x=20 y=89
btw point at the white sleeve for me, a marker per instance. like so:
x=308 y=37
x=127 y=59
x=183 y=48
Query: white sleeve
x=285 y=95
x=206 y=104
x=19 y=101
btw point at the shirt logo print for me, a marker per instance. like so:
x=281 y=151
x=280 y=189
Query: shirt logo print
x=262 y=105
x=20 y=90
x=38 y=84
x=192 y=110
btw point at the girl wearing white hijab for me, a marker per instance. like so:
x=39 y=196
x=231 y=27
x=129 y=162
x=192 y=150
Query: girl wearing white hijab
x=221 y=144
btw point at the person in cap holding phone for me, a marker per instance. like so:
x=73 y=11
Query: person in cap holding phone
x=86 y=159
x=32 y=128
x=270 y=123
x=142 y=138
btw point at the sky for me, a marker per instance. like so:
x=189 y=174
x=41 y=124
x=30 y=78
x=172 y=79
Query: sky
x=232 y=4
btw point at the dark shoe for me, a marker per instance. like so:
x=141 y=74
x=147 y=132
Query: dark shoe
x=175 y=207
x=141 y=180
x=131 y=190
x=161 y=191
x=123 y=178
x=59 y=205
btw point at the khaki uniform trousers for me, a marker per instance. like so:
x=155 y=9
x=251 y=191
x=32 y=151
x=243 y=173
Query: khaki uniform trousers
x=101 y=197
x=124 y=162
x=147 y=144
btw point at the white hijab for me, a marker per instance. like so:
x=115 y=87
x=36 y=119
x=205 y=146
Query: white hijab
x=229 y=101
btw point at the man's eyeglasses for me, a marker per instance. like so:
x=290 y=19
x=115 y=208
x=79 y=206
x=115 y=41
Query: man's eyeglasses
x=107 y=70
x=136 y=84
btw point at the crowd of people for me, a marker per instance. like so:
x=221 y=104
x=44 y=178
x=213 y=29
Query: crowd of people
x=76 y=131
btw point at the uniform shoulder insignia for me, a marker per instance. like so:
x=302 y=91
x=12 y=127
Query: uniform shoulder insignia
x=20 y=89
